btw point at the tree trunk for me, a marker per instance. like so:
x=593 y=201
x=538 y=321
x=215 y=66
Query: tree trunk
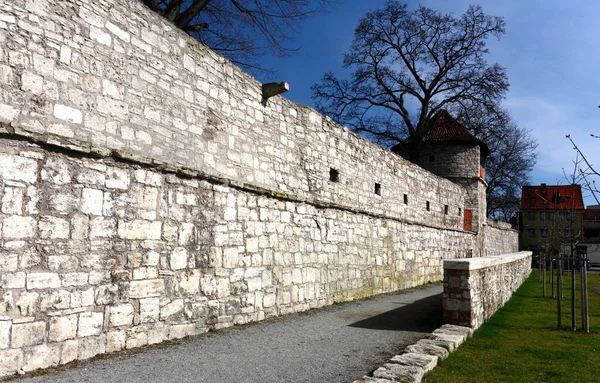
x=559 y=293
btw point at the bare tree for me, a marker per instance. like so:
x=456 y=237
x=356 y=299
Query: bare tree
x=406 y=66
x=587 y=171
x=240 y=30
x=513 y=156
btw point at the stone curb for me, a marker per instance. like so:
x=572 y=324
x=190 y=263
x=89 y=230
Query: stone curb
x=421 y=357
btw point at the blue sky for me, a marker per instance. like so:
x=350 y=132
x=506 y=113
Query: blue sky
x=551 y=51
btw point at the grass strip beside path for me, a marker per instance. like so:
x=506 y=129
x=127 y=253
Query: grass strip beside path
x=521 y=342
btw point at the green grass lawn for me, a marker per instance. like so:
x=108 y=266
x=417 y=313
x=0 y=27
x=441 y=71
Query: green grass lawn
x=521 y=342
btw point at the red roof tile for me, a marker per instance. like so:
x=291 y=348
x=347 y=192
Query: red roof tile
x=551 y=197
x=446 y=128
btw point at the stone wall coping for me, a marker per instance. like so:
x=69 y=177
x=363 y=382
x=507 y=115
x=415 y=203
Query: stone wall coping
x=499 y=225
x=483 y=262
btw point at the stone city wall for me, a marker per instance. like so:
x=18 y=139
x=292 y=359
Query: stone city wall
x=116 y=75
x=100 y=255
x=147 y=194
x=475 y=288
x=500 y=238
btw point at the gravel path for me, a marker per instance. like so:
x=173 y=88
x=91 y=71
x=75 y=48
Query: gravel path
x=335 y=344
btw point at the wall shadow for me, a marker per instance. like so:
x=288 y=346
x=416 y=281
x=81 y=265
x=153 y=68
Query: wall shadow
x=424 y=315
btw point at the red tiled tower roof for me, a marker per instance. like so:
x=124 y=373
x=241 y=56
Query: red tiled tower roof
x=551 y=197
x=446 y=129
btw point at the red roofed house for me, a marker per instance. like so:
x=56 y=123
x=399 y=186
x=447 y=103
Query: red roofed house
x=551 y=215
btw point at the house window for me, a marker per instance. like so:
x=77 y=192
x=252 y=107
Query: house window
x=531 y=233
x=427 y=206
x=446 y=209
x=561 y=215
x=406 y=199
x=377 y=189
x=531 y=215
x=568 y=216
x=542 y=215
x=544 y=233
x=334 y=175
x=550 y=215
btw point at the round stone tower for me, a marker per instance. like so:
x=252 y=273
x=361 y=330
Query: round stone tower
x=449 y=150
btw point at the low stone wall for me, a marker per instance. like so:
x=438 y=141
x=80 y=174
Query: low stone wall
x=475 y=288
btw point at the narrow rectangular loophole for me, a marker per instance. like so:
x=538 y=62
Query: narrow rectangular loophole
x=459 y=211
x=446 y=209
x=334 y=175
x=427 y=205
x=377 y=188
x=406 y=199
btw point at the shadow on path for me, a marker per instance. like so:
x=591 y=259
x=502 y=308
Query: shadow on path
x=424 y=315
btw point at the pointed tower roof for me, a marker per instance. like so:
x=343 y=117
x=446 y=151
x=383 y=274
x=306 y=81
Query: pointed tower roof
x=446 y=129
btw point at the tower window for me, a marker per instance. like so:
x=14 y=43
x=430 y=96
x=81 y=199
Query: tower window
x=377 y=188
x=334 y=175
x=446 y=209
x=427 y=206
x=406 y=199
x=459 y=211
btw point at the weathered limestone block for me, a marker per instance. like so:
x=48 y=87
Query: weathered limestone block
x=90 y=323
x=117 y=178
x=54 y=228
x=5 y=326
x=438 y=342
x=18 y=168
x=115 y=341
x=466 y=331
x=430 y=349
x=12 y=280
x=43 y=281
x=425 y=361
x=9 y=262
x=18 y=227
x=62 y=328
x=106 y=294
x=368 y=379
x=179 y=258
x=139 y=229
x=12 y=201
x=11 y=361
x=75 y=279
x=28 y=334
x=121 y=315
x=92 y=201
x=91 y=346
x=400 y=373
x=146 y=288
x=171 y=308
x=68 y=352
x=181 y=331
x=457 y=340
x=41 y=356
x=149 y=310
x=136 y=337
x=189 y=282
